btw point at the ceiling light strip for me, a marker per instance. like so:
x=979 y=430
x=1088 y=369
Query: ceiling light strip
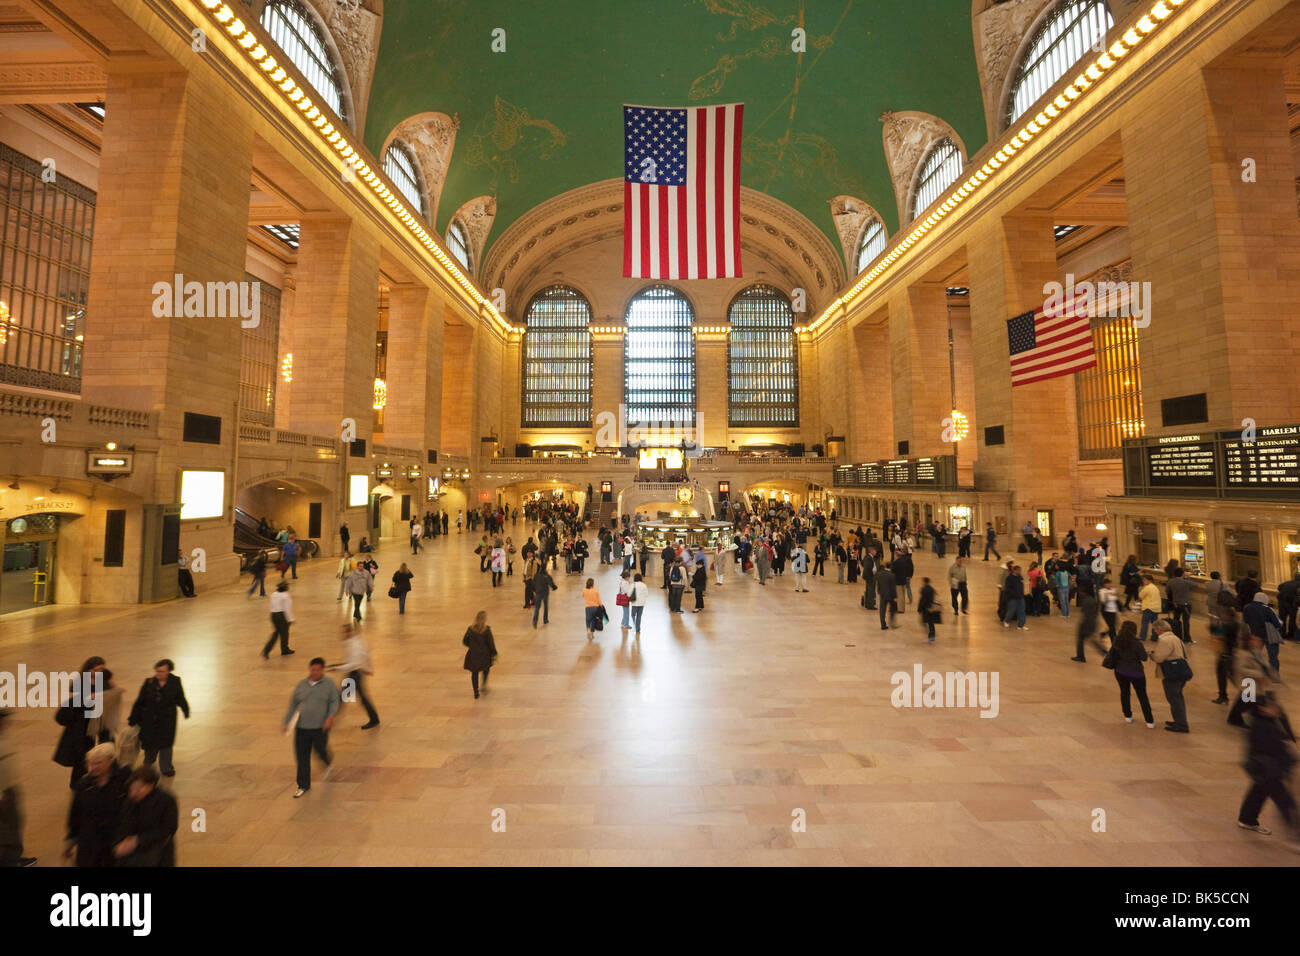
x=293 y=94
x=1088 y=77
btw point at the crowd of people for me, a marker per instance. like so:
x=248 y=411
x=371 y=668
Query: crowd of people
x=120 y=816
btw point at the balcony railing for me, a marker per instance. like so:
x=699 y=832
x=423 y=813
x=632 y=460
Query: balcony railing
x=73 y=411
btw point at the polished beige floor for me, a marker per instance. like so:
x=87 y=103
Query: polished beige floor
x=695 y=748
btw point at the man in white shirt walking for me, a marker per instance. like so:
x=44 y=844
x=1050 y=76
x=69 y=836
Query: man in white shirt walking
x=281 y=618
x=799 y=565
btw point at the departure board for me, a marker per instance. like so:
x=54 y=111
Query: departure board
x=1271 y=461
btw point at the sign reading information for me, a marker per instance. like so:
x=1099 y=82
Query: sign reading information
x=1182 y=461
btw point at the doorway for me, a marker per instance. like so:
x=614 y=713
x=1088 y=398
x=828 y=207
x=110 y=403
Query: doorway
x=30 y=544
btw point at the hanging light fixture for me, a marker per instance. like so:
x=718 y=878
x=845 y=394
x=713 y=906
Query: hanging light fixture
x=381 y=394
x=286 y=367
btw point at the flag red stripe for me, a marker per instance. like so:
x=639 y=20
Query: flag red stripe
x=701 y=194
x=1053 y=342
x=719 y=189
x=665 y=270
x=683 y=223
x=1066 y=370
x=627 y=229
x=735 y=190
x=1064 y=355
x=645 y=230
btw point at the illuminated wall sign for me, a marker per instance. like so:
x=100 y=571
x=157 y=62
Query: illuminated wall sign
x=203 y=494
x=110 y=463
x=937 y=472
x=1182 y=462
x=1219 y=464
x=358 y=490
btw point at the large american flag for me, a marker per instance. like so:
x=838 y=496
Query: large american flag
x=1050 y=341
x=681 y=192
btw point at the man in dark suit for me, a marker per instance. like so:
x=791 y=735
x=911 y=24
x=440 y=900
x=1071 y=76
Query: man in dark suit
x=669 y=555
x=543 y=585
x=887 y=591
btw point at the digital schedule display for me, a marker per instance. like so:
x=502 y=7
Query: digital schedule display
x=1271 y=461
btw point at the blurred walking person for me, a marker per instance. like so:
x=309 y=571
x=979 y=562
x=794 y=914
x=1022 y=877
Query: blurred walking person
x=155 y=714
x=356 y=665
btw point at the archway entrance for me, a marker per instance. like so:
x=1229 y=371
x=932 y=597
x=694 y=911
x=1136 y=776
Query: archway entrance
x=30 y=550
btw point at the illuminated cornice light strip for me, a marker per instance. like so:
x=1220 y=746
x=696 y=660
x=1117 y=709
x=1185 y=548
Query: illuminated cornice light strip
x=1088 y=77
x=290 y=91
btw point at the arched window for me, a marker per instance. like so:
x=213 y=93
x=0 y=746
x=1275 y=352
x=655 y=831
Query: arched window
x=762 y=360
x=659 y=358
x=872 y=244
x=557 y=360
x=941 y=169
x=399 y=167
x=458 y=243
x=294 y=29
x=1069 y=32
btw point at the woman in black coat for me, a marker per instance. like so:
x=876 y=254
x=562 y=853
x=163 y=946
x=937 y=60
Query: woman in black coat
x=699 y=581
x=75 y=741
x=482 y=650
x=155 y=714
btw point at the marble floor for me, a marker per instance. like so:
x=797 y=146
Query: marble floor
x=707 y=744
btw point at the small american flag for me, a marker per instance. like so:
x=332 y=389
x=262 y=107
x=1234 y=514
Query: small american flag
x=681 y=192
x=1051 y=341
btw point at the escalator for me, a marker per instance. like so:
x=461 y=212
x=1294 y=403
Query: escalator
x=249 y=542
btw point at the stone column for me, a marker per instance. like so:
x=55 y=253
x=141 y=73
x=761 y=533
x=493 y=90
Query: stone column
x=413 y=418
x=866 y=393
x=335 y=312
x=918 y=357
x=1010 y=262
x=174 y=175
x=458 y=380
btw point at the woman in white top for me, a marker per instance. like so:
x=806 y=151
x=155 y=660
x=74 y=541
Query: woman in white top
x=719 y=562
x=1109 y=599
x=636 y=598
x=498 y=565
x=625 y=591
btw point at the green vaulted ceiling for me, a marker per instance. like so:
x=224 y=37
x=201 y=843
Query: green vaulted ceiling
x=545 y=116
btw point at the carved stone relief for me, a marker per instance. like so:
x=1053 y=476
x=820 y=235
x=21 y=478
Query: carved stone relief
x=999 y=32
x=355 y=31
x=908 y=136
x=476 y=216
x=851 y=214
x=431 y=137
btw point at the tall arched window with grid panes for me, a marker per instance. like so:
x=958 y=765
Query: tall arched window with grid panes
x=293 y=27
x=458 y=244
x=872 y=243
x=1071 y=30
x=659 y=358
x=762 y=361
x=556 y=373
x=939 y=170
x=402 y=171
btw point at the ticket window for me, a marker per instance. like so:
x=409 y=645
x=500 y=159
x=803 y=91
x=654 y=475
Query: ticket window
x=1242 y=548
x=1191 y=550
x=1293 y=555
x=1148 y=543
x=959 y=516
x=929 y=515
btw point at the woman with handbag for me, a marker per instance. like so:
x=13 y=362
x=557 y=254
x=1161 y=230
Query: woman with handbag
x=1170 y=656
x=928 y=608
x=1125 y=658
x=401 y=587
x=482 y=652
x=623 y=601
x=636 y=598
x=594 y=608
